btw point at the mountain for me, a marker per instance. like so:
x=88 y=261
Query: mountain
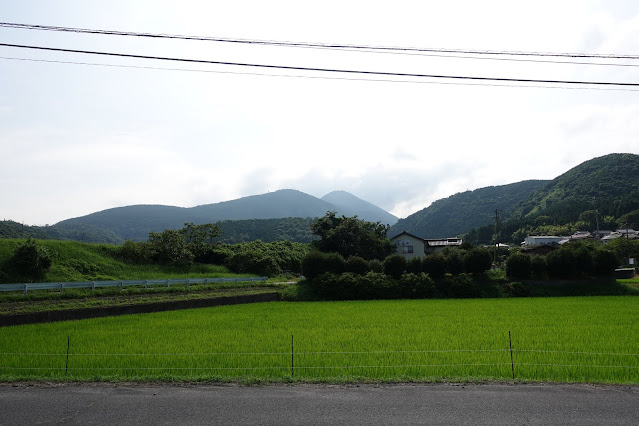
x=464 y=211
x=602 y=193
x=135 y=222
x=609 y=184
x=349 y=205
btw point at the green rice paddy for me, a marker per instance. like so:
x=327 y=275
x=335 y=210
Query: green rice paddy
x=580 y=339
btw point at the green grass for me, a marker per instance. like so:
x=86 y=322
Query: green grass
x=568 y=339
x=75 y=261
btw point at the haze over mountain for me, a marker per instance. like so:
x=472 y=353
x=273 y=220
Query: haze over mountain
x=349 y=205
x=135 y=222
x=607 y=184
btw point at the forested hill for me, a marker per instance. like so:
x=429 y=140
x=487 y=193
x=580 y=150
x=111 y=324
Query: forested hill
x=464 y=211
x=135 y=222
x=608 y=184
x=600 y=192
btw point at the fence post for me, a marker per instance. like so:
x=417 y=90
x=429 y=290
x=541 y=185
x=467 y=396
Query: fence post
x=66 y=368
x=512 y=363
x=25 y=289
x=292 y=358
x=61 y=287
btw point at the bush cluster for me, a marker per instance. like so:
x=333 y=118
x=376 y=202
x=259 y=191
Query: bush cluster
x=30 y=261
x=172 y=247
x=570 y=261
x=334 y=277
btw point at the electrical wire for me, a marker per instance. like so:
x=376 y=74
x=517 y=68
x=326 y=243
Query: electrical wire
x=327 y=70
x=313 y=45
x=374 y=80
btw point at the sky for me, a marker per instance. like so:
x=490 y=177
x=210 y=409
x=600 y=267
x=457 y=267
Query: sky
x=81 y=133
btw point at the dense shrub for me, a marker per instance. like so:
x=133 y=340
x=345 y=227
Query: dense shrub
x=248 y=262
x=454 y=260
x=414 y=265
x=356 y=265
x=538 y=267
x=417 y=286
x=282 y=256
x=434 y=265
x=394 y=265
x=583 y=259
x=604 y=262
x=376 y=265
x=477 y=260
x=519 y=266
x=169 y=247
x=317 y=262
x=134 y=252
x=562 y=264
x=349 y=286
x=30 y=260
x=516 y=289
x=460 y=286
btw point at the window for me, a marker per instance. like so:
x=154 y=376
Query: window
x=407 y=249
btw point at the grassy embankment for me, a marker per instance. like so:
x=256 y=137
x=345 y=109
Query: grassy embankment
x=74 y=261
x=568 y=339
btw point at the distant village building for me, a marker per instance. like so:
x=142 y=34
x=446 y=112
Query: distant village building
x=542 y=240
x=410 y=246
x=631 y=234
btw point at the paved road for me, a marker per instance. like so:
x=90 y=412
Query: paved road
x=317 y=405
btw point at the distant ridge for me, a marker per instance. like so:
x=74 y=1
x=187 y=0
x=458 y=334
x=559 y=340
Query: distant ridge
x=135 y=222
x=349 y=205
x=464 y=211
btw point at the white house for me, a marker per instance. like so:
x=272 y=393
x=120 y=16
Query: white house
x=410 y=246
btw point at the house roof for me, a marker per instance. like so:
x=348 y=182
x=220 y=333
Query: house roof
x=407 y=234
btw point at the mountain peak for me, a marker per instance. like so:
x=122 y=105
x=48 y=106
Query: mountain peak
x=350 y=205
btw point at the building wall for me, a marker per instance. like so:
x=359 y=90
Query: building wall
x=408 y=246
x=539 y=240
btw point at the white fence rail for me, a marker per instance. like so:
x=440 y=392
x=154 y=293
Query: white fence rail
x=25 y=287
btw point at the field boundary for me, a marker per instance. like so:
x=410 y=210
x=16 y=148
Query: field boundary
x=97 y=312
x=25 y=287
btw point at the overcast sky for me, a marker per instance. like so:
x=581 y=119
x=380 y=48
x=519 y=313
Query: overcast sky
x=78 y=137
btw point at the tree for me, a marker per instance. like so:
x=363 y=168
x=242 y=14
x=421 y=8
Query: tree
x=169 y=247
x=350 y=236
x=519 y=266
x=434 y=265
x=200 y=239
x=477 y=261
x=454 y=260
x=395 y=265
x=31 y=260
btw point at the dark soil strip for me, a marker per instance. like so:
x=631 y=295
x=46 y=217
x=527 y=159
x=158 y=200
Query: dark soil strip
x=73 y=314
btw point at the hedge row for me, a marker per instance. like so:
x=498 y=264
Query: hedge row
x=567 y=262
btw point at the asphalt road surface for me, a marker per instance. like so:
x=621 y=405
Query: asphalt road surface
x=498 y=404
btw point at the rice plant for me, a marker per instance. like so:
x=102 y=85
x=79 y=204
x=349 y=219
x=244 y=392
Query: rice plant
x=587 y=339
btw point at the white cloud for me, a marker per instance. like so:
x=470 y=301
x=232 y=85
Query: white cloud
x=77 y=139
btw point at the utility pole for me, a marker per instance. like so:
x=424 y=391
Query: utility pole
x=496 y=235
x=627 y=247
x=594 y=202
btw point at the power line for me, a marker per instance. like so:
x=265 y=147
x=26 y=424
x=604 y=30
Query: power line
x=328 y=70
x=316 y=45
x=312 y=77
